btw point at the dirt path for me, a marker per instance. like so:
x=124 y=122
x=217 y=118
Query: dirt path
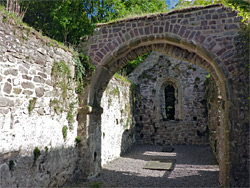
x=195 y=167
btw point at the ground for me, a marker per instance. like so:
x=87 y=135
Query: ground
x=195 y=167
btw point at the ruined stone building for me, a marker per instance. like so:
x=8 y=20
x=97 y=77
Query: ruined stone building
x=192 y=89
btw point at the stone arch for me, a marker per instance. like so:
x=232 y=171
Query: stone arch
x=204 y=36
x=203 y=59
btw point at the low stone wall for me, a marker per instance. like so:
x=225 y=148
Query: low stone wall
x=37 y=109
x=152 y=125
x=117 y=120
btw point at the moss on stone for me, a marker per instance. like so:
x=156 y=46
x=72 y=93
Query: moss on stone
x=62 y=74
x=32 y=104
x=70 y=115
x=65 y=132
x=115 y=91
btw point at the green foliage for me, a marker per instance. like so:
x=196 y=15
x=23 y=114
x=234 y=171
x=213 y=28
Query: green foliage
x=127 y=123
x=62 y=74
x=107 y=10
x=67 y=21
x=133 y=64
x=123 y=78
x=70 y=115
x=242 y=6
x=65 y=132
x=36 y=153
x=64 y=20
x=56 y=104
x=11 y=165
x=83 y=71
x=78 y=140
x=46 y=148
x=32 y=104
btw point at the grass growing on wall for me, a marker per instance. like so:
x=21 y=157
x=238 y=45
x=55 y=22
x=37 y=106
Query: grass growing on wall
x=36 y=153
x=65 y=132
x=62 y=75
x=32 y=104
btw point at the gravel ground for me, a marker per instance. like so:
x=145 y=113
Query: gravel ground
x=195 y=167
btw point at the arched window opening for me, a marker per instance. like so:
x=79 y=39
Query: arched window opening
x=170 y=102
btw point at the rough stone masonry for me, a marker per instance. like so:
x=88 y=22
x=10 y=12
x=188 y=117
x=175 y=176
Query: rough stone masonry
x=211 y=37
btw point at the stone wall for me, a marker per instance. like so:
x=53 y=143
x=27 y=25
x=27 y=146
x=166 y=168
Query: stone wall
x=190 y=124
x=117 y=120
x=214 y=106
x=37 y=109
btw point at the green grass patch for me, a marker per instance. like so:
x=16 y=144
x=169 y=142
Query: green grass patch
x=65 y=132
x=36 y=153
x=32 y=104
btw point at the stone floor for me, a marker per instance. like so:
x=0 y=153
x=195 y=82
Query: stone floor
x=195 y=167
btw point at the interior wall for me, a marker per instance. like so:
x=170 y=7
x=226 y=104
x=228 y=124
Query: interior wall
x=190 y=124
x=117 y=120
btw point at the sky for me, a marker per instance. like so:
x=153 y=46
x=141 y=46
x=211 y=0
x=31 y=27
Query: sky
x=171 y=3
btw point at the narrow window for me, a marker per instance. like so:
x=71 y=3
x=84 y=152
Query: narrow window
x=170 y=102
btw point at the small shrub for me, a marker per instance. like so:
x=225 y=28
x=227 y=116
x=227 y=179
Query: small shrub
x=36 y=153
x=61 y=73
x=70 y=115
x=78 y=140
x=11 y=165
x=32 y=104
x=64 y=131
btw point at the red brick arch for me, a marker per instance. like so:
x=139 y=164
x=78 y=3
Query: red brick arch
x=205 y=36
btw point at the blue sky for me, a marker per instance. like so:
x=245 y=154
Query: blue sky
x=171 y=3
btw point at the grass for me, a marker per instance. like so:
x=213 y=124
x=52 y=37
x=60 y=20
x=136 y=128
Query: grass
x=7 y=17
x=32 y=104
x=123 y=78
x=65 y=132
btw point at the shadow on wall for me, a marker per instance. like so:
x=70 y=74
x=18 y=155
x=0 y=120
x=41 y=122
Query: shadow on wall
x=42 y=168
x=127 y=141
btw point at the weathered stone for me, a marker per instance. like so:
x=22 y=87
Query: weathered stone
x=38 y=79
x=26 y=85
x=39 y=92
x=150 y=76
x=42 y=75
x=17 y=90
x=6 y=102
x=7 y=88
x=27 y=92
x=42 y=51
x=11 y=71
x=23 y=70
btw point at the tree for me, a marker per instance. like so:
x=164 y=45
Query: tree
x=65 y=21
x=68 y=20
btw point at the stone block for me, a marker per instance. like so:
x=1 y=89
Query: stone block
x=7 y=88
x=6 y=102
x=26 y=85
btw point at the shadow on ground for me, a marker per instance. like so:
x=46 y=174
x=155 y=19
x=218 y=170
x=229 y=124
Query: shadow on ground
x=195 y=167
